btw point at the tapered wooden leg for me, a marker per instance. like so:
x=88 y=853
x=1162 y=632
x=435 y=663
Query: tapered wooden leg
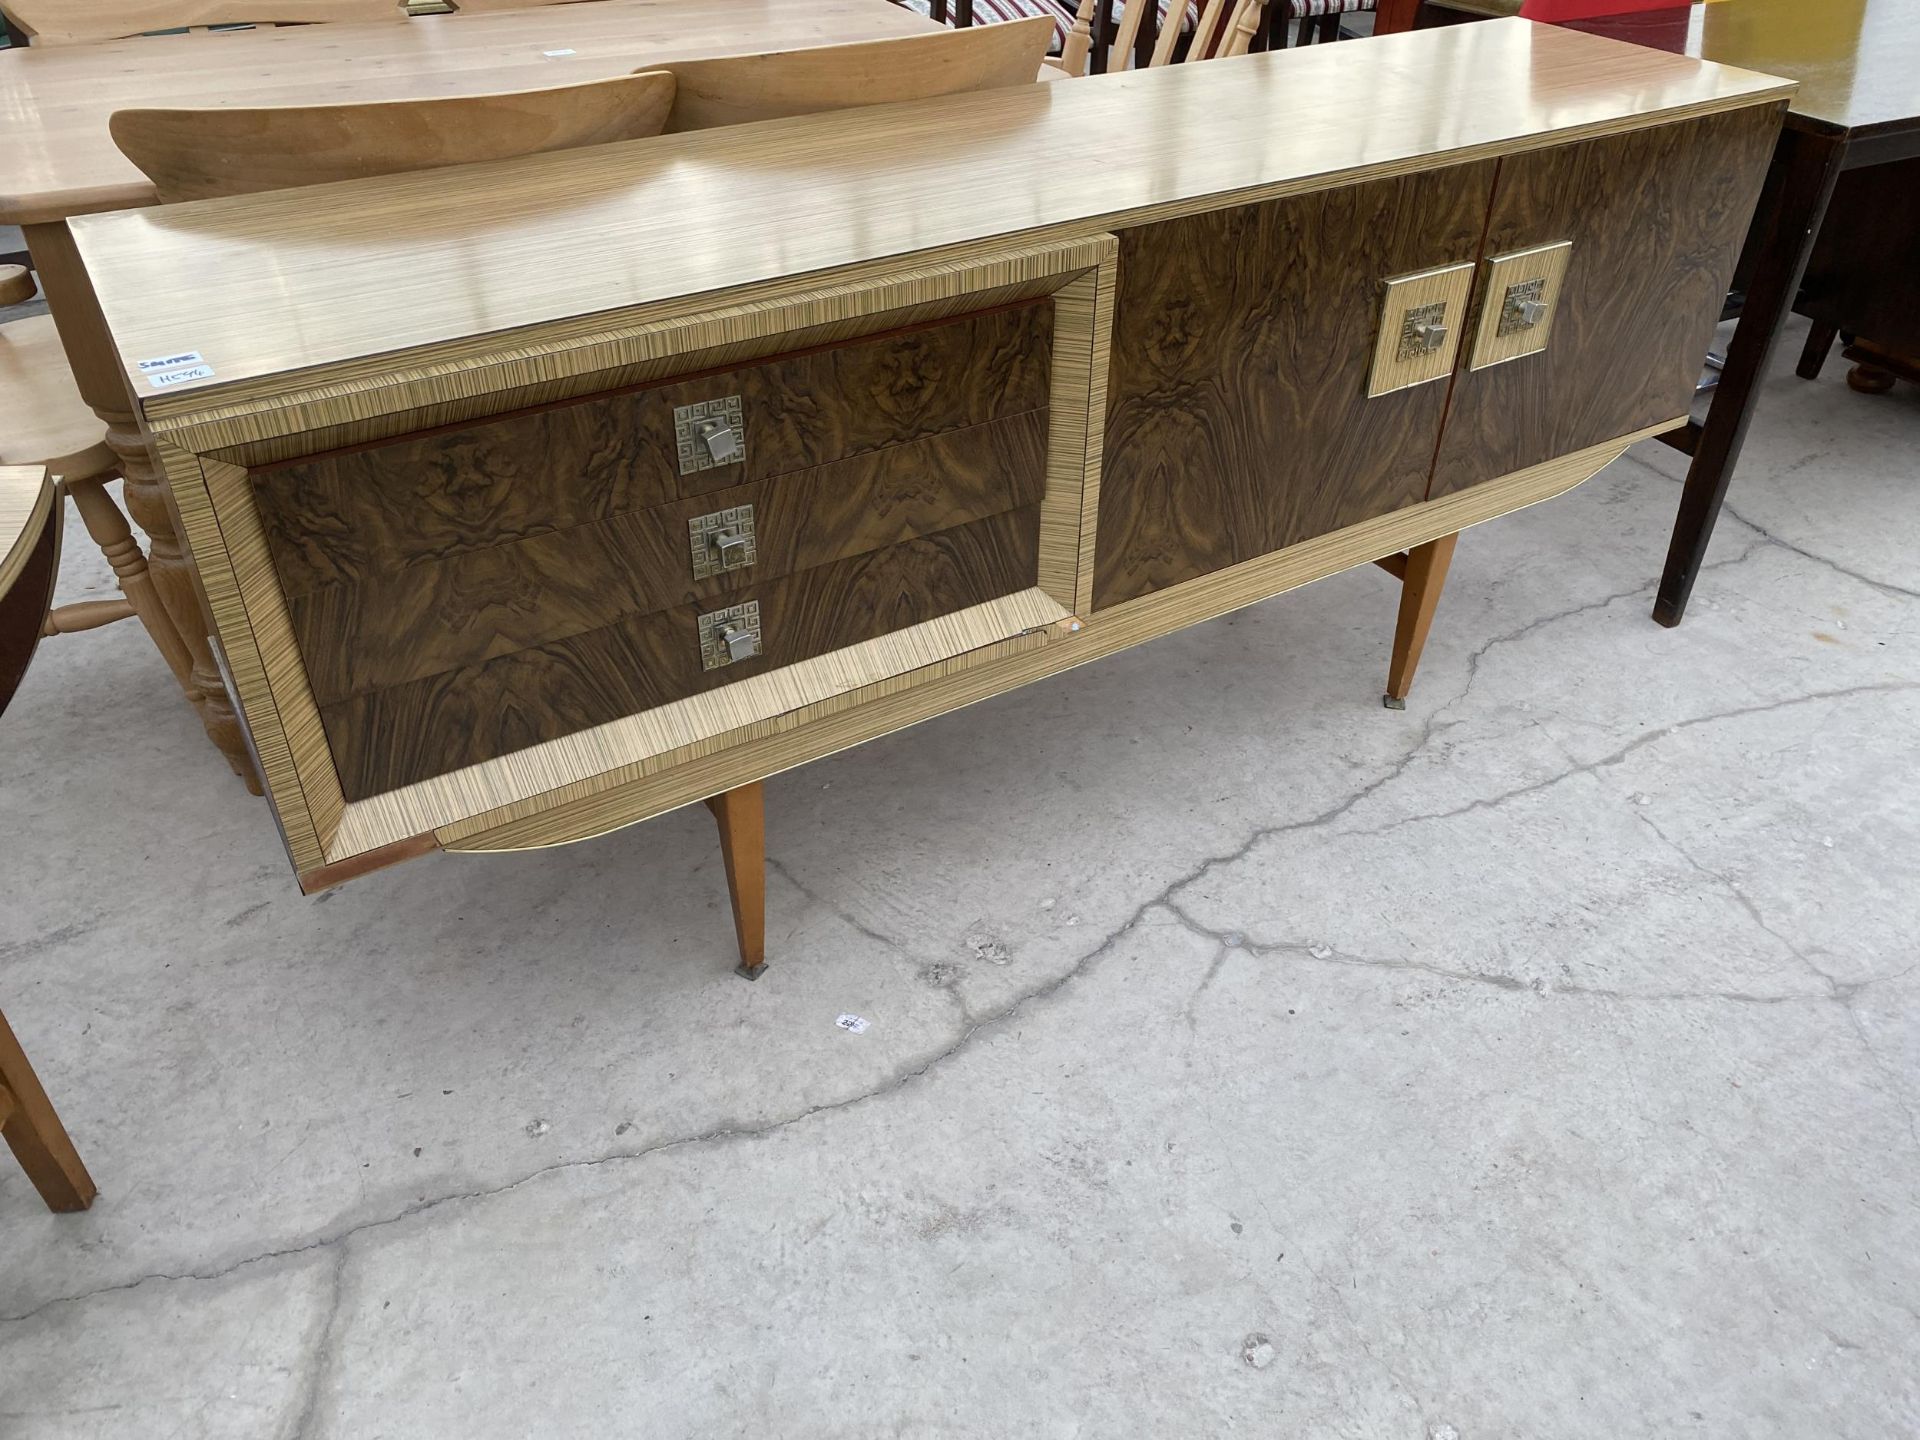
x=742 y=817
x=1422 y=580
x=38 y=1139
x=1813 y=354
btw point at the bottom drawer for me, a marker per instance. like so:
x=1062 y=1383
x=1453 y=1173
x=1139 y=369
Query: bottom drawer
x=387 y=738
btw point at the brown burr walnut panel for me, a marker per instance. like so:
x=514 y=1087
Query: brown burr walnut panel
x=371 y=510
x=459 y=595
x=1238 y=420
x=388 y=738
x=474 y=605
x=1656 y=219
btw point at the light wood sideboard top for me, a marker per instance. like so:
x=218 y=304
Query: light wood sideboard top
x=343 y=275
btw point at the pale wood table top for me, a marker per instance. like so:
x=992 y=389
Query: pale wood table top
x=1857 y=61
x=57 y=159
x=294 y=279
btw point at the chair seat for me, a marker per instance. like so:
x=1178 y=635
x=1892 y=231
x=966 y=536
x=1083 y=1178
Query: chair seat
x=43 y=420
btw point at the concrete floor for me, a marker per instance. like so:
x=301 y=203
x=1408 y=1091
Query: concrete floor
x=1243 y=1057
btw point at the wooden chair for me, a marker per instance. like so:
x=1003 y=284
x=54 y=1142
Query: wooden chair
x=738 y=88
x=200 y=154
x=88 y=22
x=1095 y=33
x=45 y=424
x=30 y=513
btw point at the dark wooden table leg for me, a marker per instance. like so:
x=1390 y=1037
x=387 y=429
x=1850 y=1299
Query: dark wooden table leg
x=34 y=1132
x=1799 y=184
x=742 y=817
x=1813 y=355
x=1423 y=575
x=1394 y=16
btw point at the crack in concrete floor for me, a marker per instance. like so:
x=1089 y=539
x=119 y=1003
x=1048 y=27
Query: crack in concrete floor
x=973 y=1027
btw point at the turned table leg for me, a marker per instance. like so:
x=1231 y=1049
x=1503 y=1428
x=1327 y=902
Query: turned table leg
x=83 y=334
x=742 y=817
x=110 y=531
x=34 y=1132
x=1423 y=575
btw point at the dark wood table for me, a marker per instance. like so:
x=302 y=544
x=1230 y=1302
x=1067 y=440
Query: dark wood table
x=1858 y=64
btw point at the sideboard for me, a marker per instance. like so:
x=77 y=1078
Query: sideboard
x=531 y=500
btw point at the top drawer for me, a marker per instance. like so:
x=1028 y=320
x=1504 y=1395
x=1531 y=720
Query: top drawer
x=369 y=511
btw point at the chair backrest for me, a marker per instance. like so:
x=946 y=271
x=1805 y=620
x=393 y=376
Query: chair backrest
x=1225 y=27
x=83 y=22
x=198 y=154
x=738 y=88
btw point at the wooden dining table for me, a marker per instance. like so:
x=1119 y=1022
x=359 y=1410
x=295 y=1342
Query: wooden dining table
x=59 y=161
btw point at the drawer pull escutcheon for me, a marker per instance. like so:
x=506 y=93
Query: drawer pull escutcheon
x=1419 y=333
x=709 y=434
x=729 y=635
x=722 y=541
x=1523 y=293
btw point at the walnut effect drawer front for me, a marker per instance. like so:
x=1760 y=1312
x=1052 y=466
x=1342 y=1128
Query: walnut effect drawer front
x=474 y=606
x=386 y=738
x=374 y=510
x=457 y=596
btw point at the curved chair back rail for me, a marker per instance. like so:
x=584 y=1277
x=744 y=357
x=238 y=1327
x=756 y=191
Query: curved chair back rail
x=199 y=154
x=736 y=88
x=88 y=22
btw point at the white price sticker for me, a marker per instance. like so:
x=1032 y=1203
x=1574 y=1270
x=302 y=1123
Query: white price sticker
x=172 y=362
x=162 y=379
x=556 y=54
x=853 y=1024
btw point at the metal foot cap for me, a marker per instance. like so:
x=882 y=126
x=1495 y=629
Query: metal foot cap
x=1393 y=702
x=750 y=972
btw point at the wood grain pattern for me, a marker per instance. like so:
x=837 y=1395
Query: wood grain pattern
x=736 y=89
x=1239 y=421
x=63 y=162
x=1656 y=220
x=713 y=210
x=440 y=615
x=391 y=738
x=231 y=150
x=593 y=355
x=88 y=22
x=668 y=779
x=221 y=522
x=369 y=512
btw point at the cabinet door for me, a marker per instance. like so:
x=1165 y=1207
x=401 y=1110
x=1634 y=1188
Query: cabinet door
x=1238 y=419
x=1655 y=219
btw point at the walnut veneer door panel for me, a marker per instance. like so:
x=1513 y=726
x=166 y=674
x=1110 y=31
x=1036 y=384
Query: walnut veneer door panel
x=1238 y=419
x=373 y=509
x=1656 y=218
x=392 y=737
x=466 y=608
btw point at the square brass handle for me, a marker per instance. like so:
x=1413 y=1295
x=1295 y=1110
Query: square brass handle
x=1523 y=293
x=1419 y=336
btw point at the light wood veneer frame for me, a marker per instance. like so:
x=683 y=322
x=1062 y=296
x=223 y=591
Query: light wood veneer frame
x=207 y=460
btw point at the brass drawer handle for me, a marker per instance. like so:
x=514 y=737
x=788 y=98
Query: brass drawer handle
x=1419 y=333
x=729 y=635
x=722 y=541
x=1523 y=291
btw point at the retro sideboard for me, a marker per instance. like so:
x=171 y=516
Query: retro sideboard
x=534 y=499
